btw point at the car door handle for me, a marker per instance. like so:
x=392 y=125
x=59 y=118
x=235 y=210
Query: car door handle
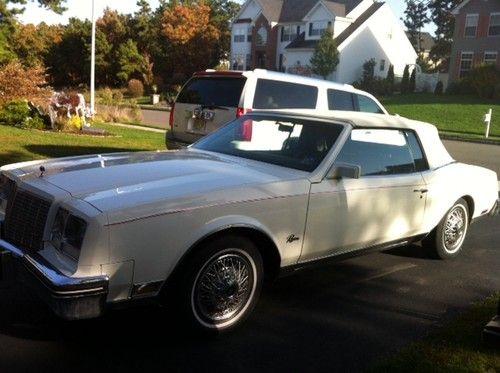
x=423 y=190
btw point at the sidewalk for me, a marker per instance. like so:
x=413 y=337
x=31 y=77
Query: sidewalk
x=138 y=127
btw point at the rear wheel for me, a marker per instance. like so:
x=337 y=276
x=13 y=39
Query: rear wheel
x=448 y=237
x=222 y=284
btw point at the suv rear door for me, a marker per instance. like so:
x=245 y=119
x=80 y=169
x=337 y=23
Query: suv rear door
x=204 y=104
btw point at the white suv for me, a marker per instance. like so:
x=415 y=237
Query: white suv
x=212 y=98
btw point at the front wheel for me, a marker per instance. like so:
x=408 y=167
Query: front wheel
x=448 y=237
x=222 y=284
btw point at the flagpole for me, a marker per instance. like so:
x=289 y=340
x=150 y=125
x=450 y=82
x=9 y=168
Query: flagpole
x=92 y=65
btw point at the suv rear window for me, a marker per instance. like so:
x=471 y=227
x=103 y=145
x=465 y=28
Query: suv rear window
x=273 y=94
x=212 y=92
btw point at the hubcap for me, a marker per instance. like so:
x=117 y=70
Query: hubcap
x=223 y=288
x=454 y=230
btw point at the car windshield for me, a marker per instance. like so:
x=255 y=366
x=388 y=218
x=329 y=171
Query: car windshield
x=284 y=141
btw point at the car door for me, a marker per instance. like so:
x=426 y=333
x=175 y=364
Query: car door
x=386 y=203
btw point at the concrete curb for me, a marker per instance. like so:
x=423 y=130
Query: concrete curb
x=445 y=136
x=136 y=127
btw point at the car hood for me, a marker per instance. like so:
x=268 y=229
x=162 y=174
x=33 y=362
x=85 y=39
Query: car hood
x=128 y=185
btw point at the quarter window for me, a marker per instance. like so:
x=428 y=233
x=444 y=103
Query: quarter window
x=367 y=105
x=340 y=100
x=494 y=29
x=274 y=94
x=471 y=24
x=378 y=152
x=490 y=58
x=465 y=63
x=416 y=151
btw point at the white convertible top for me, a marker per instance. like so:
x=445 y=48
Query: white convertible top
x=436 y=153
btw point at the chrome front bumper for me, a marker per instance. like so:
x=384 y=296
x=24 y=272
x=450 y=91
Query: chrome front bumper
x=70 y=298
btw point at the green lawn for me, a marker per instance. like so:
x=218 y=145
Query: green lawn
x=458 y=114
x=457 y=347
x=18 y=145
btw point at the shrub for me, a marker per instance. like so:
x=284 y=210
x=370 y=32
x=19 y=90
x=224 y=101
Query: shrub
x=106 y=96
x=15 y=113
x=439 y=88
x=483 y=79
x=390 y=80
x=35 y=122
x=135 y=88
x=117 y=97
x=412 y=85
x=405 y=82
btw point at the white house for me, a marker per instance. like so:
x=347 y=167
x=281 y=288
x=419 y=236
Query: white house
x=282 y=34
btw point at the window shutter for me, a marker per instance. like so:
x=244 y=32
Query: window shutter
x=310 y=28
x=282 y=33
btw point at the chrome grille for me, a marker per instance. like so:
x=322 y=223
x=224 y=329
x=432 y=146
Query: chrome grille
x=25 y=220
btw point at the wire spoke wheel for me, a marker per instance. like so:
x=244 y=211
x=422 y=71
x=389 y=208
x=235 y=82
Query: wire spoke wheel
x=224 y=287
x=454 y=228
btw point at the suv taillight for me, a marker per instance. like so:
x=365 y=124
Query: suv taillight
x=241 y=111
x=171 y=117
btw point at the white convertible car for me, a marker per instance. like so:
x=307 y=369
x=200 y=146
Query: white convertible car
x=200 y=228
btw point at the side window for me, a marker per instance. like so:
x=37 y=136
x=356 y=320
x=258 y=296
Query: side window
x=340 y=100
x=378 y=152
x=274 y=94
x=367 y=105
x=416 y=151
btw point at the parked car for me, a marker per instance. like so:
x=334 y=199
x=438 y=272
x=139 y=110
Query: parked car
x=212 y=98
x=200 y=228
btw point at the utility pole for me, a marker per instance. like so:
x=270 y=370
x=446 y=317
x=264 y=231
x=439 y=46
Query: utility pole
x=92 y=65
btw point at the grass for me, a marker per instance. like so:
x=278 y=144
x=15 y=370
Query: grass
x=460 y=115
x=457 y=347
x=17 y=145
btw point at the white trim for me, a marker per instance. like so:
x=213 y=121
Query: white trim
x=313 y=9
x=490 y=52
x=242 y=9
x=456 y=10
x=476 y=26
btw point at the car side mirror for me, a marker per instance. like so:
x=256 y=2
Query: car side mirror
x=344 y=170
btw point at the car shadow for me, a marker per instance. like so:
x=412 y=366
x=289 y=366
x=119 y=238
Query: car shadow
x=410 y=251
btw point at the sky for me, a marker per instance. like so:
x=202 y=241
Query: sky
x=83 y=9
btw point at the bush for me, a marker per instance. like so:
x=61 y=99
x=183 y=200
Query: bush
x=412 y=85
x=106 y=96
x=135 y=88
x=439 y=88
x=15 y=113
x=117 y=97
x=35 y=122
x=405 y=82
x=483 y=79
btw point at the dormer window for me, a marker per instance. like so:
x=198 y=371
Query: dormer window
x=318 y=28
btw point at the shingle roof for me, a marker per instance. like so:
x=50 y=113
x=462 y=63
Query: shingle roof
x=301 y=43
x=335 y=7
x=272 y=9
x=295 y=10
x=426 y=40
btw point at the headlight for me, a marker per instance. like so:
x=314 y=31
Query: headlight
x=68 y=232
x=6 y=189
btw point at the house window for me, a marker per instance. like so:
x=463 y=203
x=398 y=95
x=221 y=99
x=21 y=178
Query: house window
x=239 y=35
x=490 y=58
x=471 y=24
x=318 y=28
x=249 y=34
x=288 y=33
x=494 y=29
x=262 y=37
x=382 y=65
x=465 y=63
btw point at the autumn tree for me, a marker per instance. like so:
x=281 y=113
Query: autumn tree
x=325 y=58
x=19 y=83
x=32 y=43
x=191 y=37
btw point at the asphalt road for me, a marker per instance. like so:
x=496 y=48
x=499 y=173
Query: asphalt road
x=340 y=317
